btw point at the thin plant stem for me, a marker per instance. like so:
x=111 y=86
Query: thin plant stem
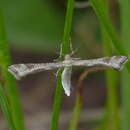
x=79 y=96
x=125 y=25
x=66 y=43
x=6 y=109
x=76 y=113
x=106 y=23
x=57 y=102
x=65 y=49
x=8 y=81
x=112 y=112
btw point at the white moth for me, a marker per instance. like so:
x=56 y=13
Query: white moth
x=21 y=70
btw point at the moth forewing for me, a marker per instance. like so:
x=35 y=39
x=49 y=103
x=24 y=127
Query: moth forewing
x=66 y=80
x=22 y=70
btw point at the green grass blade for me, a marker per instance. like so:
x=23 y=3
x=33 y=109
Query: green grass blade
x=8 y=81
x=97 y=5
x=125 y=100
x=112 y=100
x=76 y=113
x=65 y=49
x=106 y=22
x=6 y=109
x=57 y=102
x=125 y=25
x=112 y=111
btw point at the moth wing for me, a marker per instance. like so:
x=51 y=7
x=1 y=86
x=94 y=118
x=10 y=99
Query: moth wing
x=21 y=70
x=66 y=80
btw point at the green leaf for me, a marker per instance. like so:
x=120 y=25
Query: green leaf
x=65 y=49
x=76 y=113
x=125 y=24
x=6 y=109
x=106 y=23
x=8 y=81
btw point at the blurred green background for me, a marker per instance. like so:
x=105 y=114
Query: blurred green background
x=37 y=26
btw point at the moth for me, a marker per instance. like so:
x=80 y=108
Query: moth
x=22 y=70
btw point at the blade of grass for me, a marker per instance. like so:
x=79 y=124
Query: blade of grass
x=125 y=100
x=112 y=100
x=125 y=25
x=57 y=102
x=8 y=81
x=5 y=108
x=66 y=43
x=65 y=49
x=76 y=113
x=106 y=22
x=112 y=110
x=79 y=97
